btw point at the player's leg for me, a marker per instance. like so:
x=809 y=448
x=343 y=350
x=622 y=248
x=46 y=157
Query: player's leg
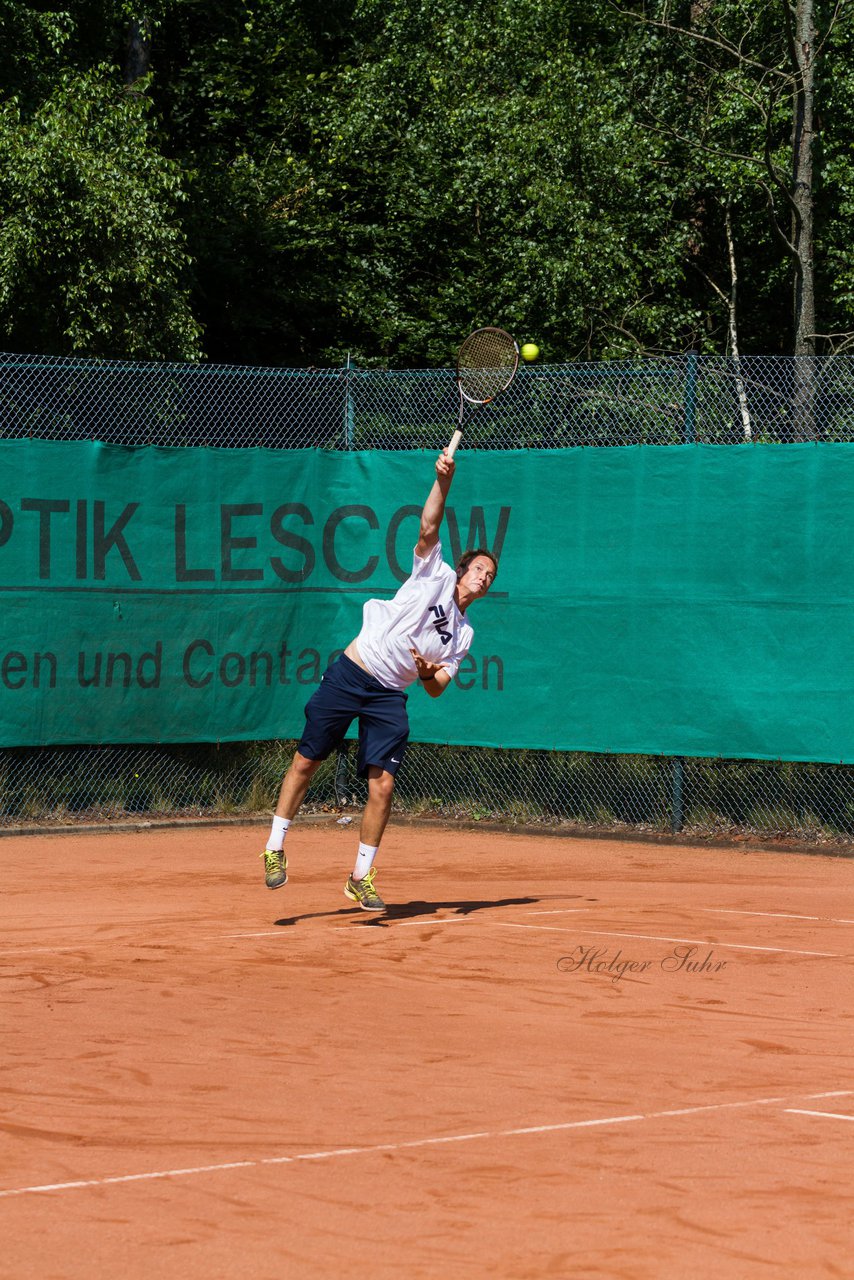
x=383 y=734
x=295 y=784
x=378 y=806
x=328 y=714
x=360 y=886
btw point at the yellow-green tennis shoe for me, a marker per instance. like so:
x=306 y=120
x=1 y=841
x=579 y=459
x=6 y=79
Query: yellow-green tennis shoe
x=363 y=892
x=275 y=868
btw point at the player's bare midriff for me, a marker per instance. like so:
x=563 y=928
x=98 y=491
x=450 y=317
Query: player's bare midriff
x=352 y=652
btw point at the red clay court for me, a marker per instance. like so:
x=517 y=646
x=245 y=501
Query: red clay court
x=552 y=1057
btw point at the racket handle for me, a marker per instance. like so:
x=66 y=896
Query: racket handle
x=454 y=445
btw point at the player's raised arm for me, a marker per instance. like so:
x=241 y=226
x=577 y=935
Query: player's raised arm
x=434 y=507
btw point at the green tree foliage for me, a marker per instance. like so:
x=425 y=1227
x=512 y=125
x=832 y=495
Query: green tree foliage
x=236 y=86
x=473 y=163
x=31 y=40
x=835 y=192
x=91 y=251
x=725 y=82
x=291 y=182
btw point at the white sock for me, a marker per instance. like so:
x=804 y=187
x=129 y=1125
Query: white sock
x=278 y=832
x=364 y=860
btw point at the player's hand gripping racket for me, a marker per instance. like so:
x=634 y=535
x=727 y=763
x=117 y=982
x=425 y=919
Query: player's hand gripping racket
x=486 y=365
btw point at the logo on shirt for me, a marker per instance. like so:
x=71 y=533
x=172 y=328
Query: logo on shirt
x=440 y=622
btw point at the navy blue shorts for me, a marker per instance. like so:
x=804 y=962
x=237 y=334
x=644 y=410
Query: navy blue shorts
x=348 y=693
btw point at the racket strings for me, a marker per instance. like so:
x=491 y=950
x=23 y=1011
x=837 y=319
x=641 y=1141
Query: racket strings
x=486 y=364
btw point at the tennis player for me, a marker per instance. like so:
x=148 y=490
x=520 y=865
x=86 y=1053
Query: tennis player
x=422 y=634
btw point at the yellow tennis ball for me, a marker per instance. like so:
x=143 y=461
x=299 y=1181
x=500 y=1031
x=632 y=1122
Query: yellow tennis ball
x=530 y=351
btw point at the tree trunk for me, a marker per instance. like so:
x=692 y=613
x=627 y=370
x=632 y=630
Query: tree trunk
x=803 y=42
x=802 y=175
x=138 y=56
x=744 y=409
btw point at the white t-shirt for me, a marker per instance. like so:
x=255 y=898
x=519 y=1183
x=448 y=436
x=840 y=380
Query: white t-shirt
x=423 y=615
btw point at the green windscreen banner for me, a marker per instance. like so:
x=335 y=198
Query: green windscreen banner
x=694 y=600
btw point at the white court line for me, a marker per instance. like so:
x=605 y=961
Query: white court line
x=654 y=937
x=171 y=940
x=566 y=911
x=335 y=1153
x=414 y=924
x=827 y=1115
x=770 y=915
x=130 y=940
x=363 y=925
x=773 y=915
x=668 y=907
x=49 y=951
x=727 y=911
x=374 y=920
x=376 y=923
x=263 y=933
x=352 y=926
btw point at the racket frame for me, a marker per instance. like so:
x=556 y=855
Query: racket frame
x=510 y=344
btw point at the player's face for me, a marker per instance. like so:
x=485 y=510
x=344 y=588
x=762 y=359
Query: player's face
x=478 y=577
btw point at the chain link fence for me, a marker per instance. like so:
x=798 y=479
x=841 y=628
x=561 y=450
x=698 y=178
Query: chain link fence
x=684 y=399
x=676 y=400
x=42 y=788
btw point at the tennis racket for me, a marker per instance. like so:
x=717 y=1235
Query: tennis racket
x=486 y=365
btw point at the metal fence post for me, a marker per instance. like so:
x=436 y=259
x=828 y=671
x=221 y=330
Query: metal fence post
x=349 y=408
x=677 y=793
x=689 y=427
x=689 y=431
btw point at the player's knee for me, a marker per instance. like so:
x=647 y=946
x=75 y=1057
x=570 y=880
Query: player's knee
x=381 y=784
x=303 y=767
